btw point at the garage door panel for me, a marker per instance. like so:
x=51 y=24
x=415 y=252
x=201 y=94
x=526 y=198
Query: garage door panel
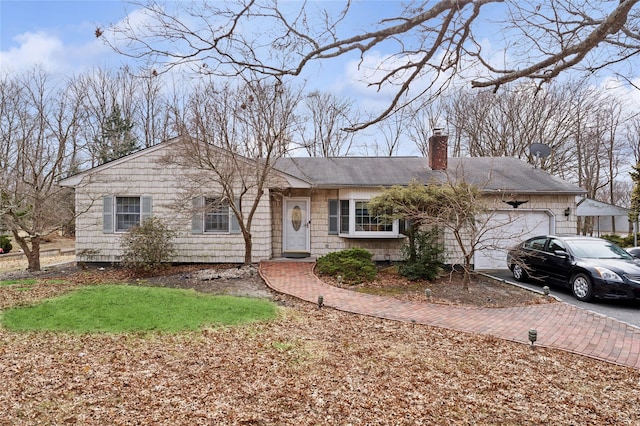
x=503 y=231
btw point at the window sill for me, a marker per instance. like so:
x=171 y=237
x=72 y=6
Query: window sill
x=372 y=236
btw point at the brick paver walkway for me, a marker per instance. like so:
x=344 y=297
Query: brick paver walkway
x=559 y=325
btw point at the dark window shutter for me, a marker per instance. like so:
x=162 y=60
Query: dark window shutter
x=107 y=214
x=344 y=216
x=403 y=226
x=334 y=217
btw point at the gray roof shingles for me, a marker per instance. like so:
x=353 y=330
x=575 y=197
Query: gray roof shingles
x=505 y=174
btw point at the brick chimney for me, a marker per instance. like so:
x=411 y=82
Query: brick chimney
x=438 y=150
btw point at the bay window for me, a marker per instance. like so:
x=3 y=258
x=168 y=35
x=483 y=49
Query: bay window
x=351 y=219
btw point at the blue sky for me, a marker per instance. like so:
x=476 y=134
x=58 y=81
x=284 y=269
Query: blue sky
x=59 y=34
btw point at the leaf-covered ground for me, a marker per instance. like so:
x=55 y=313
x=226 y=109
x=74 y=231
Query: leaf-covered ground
x=448 y=289
x=309 y=367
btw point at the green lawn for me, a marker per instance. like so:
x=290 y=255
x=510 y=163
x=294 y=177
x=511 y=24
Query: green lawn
x=122 y=308
x=20 y=285
x=23 y=282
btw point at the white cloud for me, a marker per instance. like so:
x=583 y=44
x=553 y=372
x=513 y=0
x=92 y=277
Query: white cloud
x=49 y=51
x=622 y=90
x=33 y=48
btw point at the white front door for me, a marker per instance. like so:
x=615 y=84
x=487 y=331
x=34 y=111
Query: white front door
x=296 y=227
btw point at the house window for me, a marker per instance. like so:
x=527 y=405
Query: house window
x=216 y=216
x=128 y=211
x=119 y=214
x=355 y=221
x=367 y=223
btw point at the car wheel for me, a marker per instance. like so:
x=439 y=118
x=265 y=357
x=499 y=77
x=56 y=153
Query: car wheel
x=519 y=273
x=582 y=287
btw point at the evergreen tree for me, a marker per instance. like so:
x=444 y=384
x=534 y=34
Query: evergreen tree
x=116 y=139
x=455 y=207
x=635 y=193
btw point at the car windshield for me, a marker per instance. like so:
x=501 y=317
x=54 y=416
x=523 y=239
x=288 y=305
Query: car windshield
x=595 y=249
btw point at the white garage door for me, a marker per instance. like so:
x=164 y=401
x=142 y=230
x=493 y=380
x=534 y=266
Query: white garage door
x=504 y=230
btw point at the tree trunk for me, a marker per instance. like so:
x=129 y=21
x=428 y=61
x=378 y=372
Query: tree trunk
x=466 y=279
x=411 y=239
x=248 y=245
x=32 y=253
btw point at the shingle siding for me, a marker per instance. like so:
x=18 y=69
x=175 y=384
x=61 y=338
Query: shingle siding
x=321 y=241
x=148 y=176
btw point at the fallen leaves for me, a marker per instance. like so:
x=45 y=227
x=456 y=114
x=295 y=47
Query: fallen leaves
x=309 y=366
x=448 y=289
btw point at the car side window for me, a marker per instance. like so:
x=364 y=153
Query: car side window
x=556 y=244
x=535 y=243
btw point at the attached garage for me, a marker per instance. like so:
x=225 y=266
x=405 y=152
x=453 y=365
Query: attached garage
x=504 y=230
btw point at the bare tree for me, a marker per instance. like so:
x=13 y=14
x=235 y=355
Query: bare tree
x=176 y=112
x=328 y=115
x=151 y=114
x=390 y=132
x=613 y=116
x=600 y=152
x=66 y=128
x=100 y=91
x=35 y=125
x=581 y=125
x=431 y=43
x=509 y=122
x=232 y=138
x=10 y=93
x=632 y=135
x=421 y=124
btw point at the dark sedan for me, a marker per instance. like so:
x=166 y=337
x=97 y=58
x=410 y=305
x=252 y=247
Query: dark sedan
x=590 y=267
x=634 y=251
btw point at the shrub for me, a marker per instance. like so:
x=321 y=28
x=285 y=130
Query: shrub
x=627 y=241
x=617 y=239
x=428 y=263
x=354 y=265
x=5 y=244
x=148 y=246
